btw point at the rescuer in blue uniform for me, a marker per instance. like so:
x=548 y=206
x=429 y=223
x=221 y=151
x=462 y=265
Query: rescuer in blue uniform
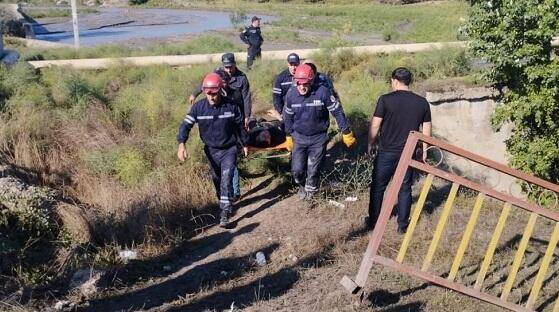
x=252 y=37
x=306 y=121
x=284 y=81
x=237 y=89
x=221 y=126
x=323 y=80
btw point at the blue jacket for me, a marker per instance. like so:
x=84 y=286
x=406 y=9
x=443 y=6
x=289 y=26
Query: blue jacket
x=281 y=85
x=220 y=125
x=323 y=80
x=252 y=36
x=308 y=114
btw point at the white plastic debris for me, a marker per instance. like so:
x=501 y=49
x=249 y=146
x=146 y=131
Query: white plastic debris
x=63 y=304
x=260 y=258
x=126 y=255
x=351 y=199
x=336 y=204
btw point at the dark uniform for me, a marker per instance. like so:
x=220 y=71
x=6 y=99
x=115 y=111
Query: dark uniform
x=306 y=120
x=221 y=126
x=283 y=82
x=252 y=36
x=323 y=80
x=238 y=91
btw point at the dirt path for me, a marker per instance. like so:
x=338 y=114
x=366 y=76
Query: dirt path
x=222 y=260
x=308 y=249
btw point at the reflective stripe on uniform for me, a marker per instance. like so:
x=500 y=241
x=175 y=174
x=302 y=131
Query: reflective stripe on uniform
x=189 y=119
x=226 y=116
x=288 y=110
x=334 y=106
x=315 y=103
x=310 y=188
x=286 y=83
x=205 y=117
x=296 y=105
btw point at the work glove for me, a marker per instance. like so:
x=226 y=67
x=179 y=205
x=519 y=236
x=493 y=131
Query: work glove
x=289 y=143
x=349 y=139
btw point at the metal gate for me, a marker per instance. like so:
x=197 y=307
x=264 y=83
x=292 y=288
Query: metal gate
x=535 y=209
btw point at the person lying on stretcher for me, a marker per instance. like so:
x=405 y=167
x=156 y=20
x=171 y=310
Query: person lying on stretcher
x=265 y=134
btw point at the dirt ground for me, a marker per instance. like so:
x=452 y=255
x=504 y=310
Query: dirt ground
x=309 y=247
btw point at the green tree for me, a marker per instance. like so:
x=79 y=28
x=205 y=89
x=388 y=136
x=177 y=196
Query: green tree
x=515 y=36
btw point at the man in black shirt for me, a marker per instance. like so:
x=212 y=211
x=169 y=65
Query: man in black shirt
x=396 y=114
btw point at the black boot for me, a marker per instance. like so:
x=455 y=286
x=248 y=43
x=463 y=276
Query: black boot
x=224 y=218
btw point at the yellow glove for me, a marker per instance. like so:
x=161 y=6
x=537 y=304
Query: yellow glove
x=349 y=139
x=289 y=143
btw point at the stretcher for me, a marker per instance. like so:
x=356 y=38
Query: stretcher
x=282 y=146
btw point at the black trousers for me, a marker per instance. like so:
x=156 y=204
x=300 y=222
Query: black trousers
x=253 y=53
x=385 y=165
x=222 y=165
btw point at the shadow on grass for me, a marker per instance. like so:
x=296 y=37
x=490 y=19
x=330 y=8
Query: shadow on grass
x=383 y=298
x=408 y=307
x=189 y=279
x=260 y=289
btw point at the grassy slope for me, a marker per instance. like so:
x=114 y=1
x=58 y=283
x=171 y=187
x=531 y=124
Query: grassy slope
x=112 y=132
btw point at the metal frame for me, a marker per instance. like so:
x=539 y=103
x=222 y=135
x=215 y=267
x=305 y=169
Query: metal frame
x=371 y=254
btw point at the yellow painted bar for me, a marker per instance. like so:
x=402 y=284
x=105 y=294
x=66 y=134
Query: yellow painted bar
x=556 y=306
x=415 y=218
x=519 y=255
x=466 y=237
x=440 y=227
x=492 y=246
x=543 y=267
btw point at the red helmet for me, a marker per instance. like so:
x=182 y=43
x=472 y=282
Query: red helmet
x=212 y=83
x=303 y=74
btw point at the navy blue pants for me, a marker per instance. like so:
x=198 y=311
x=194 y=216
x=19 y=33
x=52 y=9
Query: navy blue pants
x=306 y=159
x=222 y=164
x=385 y=165
x=252 y=54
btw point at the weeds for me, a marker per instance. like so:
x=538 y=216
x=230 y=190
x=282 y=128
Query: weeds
x=106 y=140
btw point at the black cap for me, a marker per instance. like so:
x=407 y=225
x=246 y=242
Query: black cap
x=228 y=59
x=293 y=58
x=223 y=74
x=255 y=18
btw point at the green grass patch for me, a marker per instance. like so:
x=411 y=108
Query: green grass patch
x=423 y=22
x=46 y=12
x=198 y=45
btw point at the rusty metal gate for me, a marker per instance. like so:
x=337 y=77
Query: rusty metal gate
x=535 y=209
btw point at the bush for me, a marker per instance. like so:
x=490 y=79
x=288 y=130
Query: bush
x=516 y=39
x=131 y=167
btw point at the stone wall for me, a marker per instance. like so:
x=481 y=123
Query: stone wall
x=463 y=118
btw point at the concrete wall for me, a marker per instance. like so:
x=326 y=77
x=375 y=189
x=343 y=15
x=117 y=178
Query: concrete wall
x=463 y=118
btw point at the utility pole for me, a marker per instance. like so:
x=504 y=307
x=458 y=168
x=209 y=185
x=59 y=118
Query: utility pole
x=75 y=24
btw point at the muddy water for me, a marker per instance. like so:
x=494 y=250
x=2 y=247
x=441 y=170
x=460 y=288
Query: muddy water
x=119 y=25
